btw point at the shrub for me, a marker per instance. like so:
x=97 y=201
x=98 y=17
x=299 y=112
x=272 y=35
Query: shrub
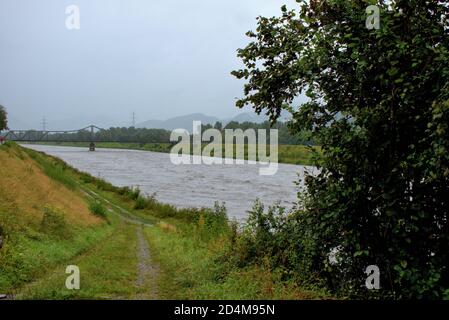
x=211 y=223
x=3 y=118
x=133 y=193
x=265 y=235
x=140 y=203
x=123 y=191
x=54 y=224
x=86 y=178
x=380 y=197
x=97 y=208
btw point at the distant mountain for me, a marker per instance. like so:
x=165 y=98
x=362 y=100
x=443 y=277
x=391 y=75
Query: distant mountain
x=185 y=122
x=247 y=117
x=182 y=122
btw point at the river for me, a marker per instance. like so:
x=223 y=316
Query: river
x=186 y=185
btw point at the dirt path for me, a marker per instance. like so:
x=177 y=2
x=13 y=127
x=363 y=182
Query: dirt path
x=121 y=212
x=120 y=266
x=147 y=270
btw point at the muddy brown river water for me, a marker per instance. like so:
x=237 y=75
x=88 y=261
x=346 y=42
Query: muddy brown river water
x=186 y=185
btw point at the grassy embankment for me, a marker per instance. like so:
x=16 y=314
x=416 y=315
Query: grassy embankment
x=291 y=154
x=47 y=223
x=49 y=220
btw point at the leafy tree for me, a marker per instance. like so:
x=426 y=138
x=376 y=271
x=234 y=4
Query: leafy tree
x=3 y=118
x=140 y=135
x=378 y=104
x=218 y=125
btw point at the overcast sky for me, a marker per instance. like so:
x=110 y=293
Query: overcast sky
x=160 y=58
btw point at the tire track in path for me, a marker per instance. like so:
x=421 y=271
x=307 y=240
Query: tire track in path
x=146 y=269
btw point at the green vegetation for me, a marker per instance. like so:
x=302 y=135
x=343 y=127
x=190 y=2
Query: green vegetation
x=141 y=135
x=161 y=136
x=3 y=118
x=192 y=250
x=198 y=269
x=291 y=154
x=378 y=107
x=54 y=223
x=195 y=251
x=108 y=271
x=55 y=172
x=97 y=208
x=38 y=234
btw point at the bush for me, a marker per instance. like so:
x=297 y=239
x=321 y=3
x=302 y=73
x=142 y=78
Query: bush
x=141 y=203
x=212 y=223
x=54 y=224
x=3 y=118
x=380 y=197
x=265 y=235
x=86 y=178
x=133 y=193
x=123 y=191
x=97 y=208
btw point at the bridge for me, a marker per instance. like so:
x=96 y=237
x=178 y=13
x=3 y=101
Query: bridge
x=89 y=134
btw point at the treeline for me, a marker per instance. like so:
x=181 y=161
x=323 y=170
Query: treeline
x=139 y=135
x=286 y=137
x=133 y=134
x=144 y=135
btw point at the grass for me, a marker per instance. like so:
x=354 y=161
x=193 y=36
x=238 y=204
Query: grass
x=40 y=229
x=290 y=154
x=192 y=269
x=57 y=216
x=107 y=271
x=29 y=255
x=190 y=246
x=55 y=172
x=97 y=208
x=40 y=245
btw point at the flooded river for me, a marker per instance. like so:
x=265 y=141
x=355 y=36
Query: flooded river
x=185 y=185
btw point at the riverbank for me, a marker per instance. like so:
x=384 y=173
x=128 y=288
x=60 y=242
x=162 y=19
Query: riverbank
x=132 y=248
x=183 y=186
x=289 y=154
